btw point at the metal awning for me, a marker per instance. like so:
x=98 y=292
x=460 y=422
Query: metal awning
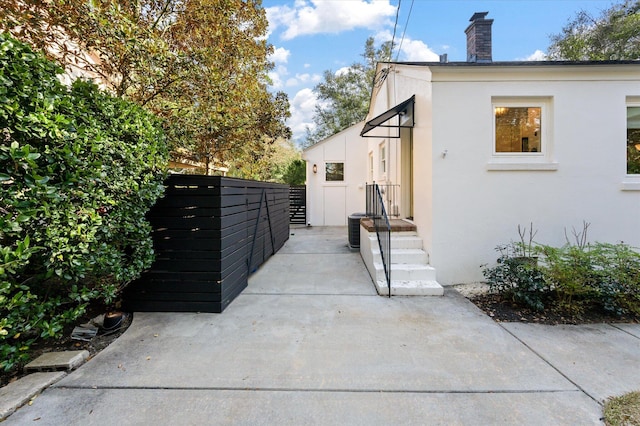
x=400 y=115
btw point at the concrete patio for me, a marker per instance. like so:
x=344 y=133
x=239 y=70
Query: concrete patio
x=310 y=342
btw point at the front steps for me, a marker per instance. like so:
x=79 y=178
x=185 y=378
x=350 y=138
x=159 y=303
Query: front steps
x=411 y=274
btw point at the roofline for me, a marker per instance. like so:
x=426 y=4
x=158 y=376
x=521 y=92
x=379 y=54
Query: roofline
x=516 y=63
x=358 y=125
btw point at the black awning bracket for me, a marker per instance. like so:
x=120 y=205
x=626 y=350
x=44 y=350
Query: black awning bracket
x=401 y=114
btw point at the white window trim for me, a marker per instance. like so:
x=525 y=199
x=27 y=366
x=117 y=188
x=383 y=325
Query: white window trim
x=383 y=163
x=630 y=182
x=370 y=166
x=538 y=161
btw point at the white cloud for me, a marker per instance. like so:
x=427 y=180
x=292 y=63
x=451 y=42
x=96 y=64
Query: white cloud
x=304 y=79
x=280 y=55
x=302 y=108
x=410 y=50
x=341 y=71
x=538 y=55
x=323 y=16
x=417 y=50
x=277 y=75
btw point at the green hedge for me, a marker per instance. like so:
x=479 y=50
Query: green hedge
x=79 y=169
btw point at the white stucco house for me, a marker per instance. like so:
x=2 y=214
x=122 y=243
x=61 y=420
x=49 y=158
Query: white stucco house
x=479 y=147
x=336 y=176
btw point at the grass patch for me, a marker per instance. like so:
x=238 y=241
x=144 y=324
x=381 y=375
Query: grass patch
x=623 y=410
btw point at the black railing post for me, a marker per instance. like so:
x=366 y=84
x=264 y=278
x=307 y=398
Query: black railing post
x=377 y=212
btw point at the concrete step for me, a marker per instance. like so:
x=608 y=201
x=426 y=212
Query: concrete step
x=400 y=241
x=410 y=288
x=408 y=272
x=399 y=256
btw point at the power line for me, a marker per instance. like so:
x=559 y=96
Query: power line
x=406 y=24
x=393 y=38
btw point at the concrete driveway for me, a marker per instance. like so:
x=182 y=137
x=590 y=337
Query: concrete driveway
x=309 y=342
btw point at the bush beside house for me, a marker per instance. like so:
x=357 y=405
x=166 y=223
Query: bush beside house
x=79 y=169
x=575 y=278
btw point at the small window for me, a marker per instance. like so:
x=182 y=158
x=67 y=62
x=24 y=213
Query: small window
x=334 y=172
x=522 y=134
x=633 y=140
x=383 y=159
x=518 y=129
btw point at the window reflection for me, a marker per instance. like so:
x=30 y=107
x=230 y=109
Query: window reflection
x=518 y=129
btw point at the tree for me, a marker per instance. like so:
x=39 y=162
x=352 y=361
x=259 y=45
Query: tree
x=296 y=173
x=614 y=35
x=271 y=163
x=346 y=95
x=201 y=65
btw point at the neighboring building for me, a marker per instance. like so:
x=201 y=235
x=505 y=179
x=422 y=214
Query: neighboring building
x=336 y=177
x=480 y=147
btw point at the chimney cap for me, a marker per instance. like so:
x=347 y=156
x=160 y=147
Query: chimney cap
x=478 y=16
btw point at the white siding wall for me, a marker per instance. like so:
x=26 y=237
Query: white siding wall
x=330 y=203
x=463 y=209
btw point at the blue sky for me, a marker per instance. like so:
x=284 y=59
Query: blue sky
x=311 y=36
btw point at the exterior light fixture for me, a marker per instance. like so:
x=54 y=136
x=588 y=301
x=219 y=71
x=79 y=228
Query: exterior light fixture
x=315 y=169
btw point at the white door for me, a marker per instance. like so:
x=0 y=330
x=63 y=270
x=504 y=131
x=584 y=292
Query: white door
x=335 y=209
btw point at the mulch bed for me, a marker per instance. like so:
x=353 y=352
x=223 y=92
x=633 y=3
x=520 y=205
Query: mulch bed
x=506 y=311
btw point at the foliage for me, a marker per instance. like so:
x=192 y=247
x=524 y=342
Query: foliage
x=614 y=35
x=268 y=162
x=633 y=153
x=79 y=169
x=296 y=173
x=595 y=275
x=345 y=95
x=622 y=410
x=201 y=65
x=575 y=277
x=517 y=277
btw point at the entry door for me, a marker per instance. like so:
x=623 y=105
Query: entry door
x=406 y=172
x=335 y=206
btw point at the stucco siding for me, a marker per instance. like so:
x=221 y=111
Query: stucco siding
x=475 y=207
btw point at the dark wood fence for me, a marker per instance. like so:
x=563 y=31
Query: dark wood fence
x=209 y=233
x=298 y=204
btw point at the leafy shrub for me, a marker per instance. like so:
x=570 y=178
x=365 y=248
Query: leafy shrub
x=517 y=277
x=79 y=169
x=595 y=275
x=576 y=277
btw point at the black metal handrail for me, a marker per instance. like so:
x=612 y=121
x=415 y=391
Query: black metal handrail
x=389 y=194
x=377 y=212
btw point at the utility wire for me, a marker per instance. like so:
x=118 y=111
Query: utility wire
x=406 y=24
x=395 y=26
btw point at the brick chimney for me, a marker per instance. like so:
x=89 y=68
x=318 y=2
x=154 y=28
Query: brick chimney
x=479 y=38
